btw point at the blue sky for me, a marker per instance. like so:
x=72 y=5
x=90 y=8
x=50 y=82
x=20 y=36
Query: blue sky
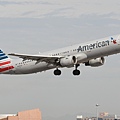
x=32 y=26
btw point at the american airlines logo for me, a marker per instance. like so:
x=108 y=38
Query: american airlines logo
x=94 y=45
x=113 y=40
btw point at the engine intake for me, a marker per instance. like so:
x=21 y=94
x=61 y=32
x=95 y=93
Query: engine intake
x=68 y=61
x=95 y=62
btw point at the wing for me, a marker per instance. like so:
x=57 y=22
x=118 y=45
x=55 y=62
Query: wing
x=38 y=58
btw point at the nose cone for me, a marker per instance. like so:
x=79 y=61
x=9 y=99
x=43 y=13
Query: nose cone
x=118 y=39
x=115 y=39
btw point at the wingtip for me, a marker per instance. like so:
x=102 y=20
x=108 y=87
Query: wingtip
x=11 y=54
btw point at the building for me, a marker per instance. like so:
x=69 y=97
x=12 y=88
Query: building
x=24 y=115
x=107 y=116
x=102 y=116
x=6 y=115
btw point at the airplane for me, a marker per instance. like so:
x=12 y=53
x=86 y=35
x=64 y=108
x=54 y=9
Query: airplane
x=90 y=53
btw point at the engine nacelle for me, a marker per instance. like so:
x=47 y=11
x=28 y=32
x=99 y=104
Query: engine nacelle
x=68 y=61
x=95 y=62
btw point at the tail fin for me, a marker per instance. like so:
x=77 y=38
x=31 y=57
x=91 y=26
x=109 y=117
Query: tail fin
x=3 y=57
x=5 y=63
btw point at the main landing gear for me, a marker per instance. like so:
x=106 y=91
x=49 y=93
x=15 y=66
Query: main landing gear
x=75 y=72
x=57 y=72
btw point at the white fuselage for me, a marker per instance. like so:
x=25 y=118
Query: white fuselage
x=91 y=50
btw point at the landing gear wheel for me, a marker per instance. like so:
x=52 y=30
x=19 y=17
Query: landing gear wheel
x=76 y=72
x=57 y=72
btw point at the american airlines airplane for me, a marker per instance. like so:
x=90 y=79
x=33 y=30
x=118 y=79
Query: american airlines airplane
x=89 y=53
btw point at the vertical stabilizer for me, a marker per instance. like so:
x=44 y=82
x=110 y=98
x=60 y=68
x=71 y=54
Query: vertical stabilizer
x=5 y=62
x=3 y=56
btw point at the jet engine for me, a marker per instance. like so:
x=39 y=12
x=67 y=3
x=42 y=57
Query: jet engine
x=68 y=61
x=95 y=62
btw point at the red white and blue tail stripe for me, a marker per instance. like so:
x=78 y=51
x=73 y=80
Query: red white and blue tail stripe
x=5 y=62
